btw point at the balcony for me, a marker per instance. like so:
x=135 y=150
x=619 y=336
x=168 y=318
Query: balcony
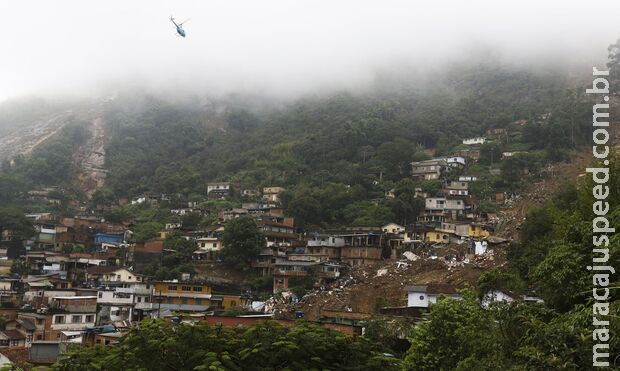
x=283 y=272
x=135 y=290
x=145 y=306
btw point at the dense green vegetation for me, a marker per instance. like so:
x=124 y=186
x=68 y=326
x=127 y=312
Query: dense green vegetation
x=555 y=247
x=336 y=153
x=50 y=165
x=243 y=240
x=155 y=345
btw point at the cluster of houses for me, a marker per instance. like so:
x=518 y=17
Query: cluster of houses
x=48 y=312
x=79 y=283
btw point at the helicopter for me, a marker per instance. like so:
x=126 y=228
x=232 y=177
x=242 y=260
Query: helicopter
x=179 y=27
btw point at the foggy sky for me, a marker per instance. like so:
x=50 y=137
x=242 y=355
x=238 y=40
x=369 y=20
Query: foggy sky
x=283 y=47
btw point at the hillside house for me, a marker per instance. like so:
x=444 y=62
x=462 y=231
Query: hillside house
x=218 y=191
x=272 y=194
x=454 y=188
x=362 y=248
x=191 y=296
x=286 y=269
x=456 y=162
x=452 y=207
x=467 y=178
x=474 y=141
x=421 y=296
x=393 y=228
x=126 y=302
x=208 y=247
x=325 y=245
x=429 y=169
x=230 y=214
x=277 y=234
x=181 y=296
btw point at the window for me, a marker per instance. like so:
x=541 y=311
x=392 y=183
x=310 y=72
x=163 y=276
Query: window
x=100 y=294
x=421 y=297
x=90 y=318
x=172 y=288
x=186 y=288
x=139 y=299
x=40 y=321
x=40 y=337
x=214 y=244
x=197 y=288
x=59 y=319
x=76 y=319
x=184 y=301
x=198 y=301
x=128 y=277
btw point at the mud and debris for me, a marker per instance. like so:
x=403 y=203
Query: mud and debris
x=362 y=289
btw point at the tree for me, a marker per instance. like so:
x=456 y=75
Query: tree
x=243 y=240
x=490 y=153
x=146 y=231
x=157 y=345
x=406 y=206
x=613 y=64
x=14 y=220
x=496 y=279
x=306 y=209
x=458 y=334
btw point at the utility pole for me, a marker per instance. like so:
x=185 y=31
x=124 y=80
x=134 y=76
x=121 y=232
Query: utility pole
x=159 y=305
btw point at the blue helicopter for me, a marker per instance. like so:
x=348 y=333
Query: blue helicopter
x=179 y=27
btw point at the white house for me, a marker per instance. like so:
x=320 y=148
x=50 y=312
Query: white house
x=393 y=228
x=456 y=161
x=467 y=178
x=121 y=275
x=123 y=301
x=218 y=187
x=209 y=243
x=474 y=141
x=420 y=296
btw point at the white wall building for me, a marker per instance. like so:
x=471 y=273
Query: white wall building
x=420 y=296
x=474 y=141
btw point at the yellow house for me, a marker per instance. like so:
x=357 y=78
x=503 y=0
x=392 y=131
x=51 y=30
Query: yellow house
x=182 y=296
x=437 y=236
x=478 y=232
x=186 y=296
x=471 y=230
x=232 y=301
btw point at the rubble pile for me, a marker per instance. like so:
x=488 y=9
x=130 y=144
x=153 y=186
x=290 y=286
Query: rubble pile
x=362 y=287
